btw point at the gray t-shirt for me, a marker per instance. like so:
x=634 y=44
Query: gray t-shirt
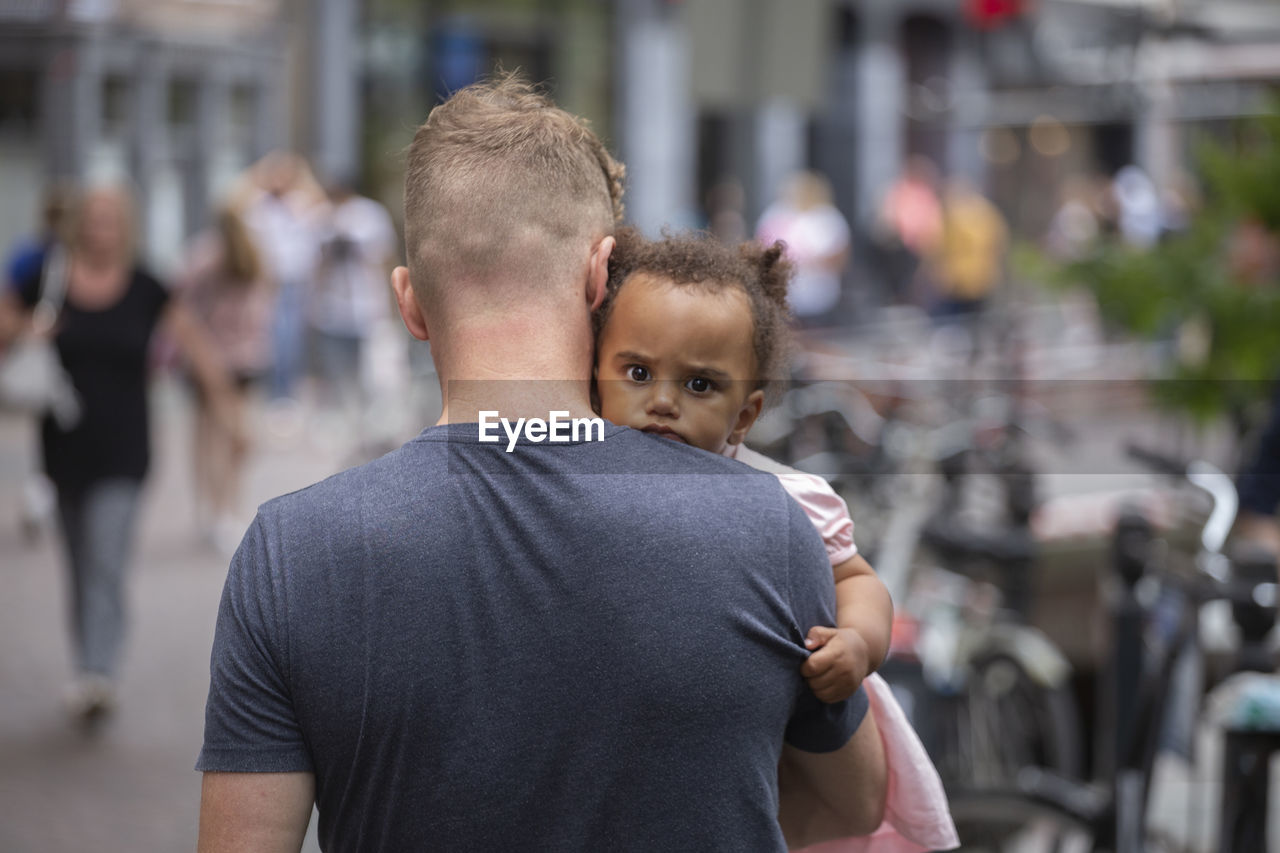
x=591 y=646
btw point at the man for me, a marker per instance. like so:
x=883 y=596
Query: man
x=280 y=206
x=349 y=307
x=488 y=646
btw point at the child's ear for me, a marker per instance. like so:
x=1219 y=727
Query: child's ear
x=598 y=271
x=747 y=415
x=410 y=311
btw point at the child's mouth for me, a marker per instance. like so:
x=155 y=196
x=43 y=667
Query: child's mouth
x=665 y=432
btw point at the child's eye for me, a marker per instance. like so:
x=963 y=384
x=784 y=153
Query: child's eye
x=636 y=373
x=700 y=385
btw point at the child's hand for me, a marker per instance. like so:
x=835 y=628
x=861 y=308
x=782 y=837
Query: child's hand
x=837 y=664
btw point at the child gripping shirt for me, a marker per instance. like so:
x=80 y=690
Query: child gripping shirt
x=688 y=336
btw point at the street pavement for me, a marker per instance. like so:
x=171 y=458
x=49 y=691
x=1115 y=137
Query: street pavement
x=131 y=785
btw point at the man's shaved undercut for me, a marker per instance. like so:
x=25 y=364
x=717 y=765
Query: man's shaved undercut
x=501 y=186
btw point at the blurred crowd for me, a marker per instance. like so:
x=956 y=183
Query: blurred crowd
x=938 y=245
x=289 y=284
x=937 y=242
x=280 y=308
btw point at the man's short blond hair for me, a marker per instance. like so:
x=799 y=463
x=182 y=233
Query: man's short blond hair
x=503 y=185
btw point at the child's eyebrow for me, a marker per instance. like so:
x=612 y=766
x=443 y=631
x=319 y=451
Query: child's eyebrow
x=628 y=355
x=713 y=372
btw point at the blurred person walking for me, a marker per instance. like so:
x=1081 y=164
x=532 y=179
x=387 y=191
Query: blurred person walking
x=968 y=263
x=97 y=466
x=1254 y=259
x=726 y=202
x=817 y=240
x=26 y=259
x=1075 y=228
x=1138 y=207
x=350 y=303
x=230 y=291
x=281 y=214
x=909 y=228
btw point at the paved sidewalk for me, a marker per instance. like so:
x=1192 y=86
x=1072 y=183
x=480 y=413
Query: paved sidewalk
x=131 y=787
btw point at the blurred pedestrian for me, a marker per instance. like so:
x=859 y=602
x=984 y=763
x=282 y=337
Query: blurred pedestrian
x=1253 y=255
x=1075 y=228
x=909 y=227
x=26 y=259
x=1259 y=485
x=97 y=466
x=1138 y=207
x=230 y=291
x=281 y=213
x=351 y=301
x=817 y=240
x=726 y=202
x=968 y=263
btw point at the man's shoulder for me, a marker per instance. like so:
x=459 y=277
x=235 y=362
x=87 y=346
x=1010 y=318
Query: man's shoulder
x=646 y=454
x=792 y=479
x=337 y=498
x=628 y=467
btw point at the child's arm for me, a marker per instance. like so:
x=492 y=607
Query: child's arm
x=842 y=656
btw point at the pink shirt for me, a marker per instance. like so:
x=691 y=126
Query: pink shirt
x=827 y=510
x=916 y=816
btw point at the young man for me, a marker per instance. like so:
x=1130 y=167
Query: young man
x=529 y=644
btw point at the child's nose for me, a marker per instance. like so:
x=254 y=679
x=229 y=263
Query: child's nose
x=662 y=399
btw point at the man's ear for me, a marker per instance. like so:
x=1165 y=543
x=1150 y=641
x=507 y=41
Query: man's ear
x=747 y=415
x=598 y=271
x=410 y=311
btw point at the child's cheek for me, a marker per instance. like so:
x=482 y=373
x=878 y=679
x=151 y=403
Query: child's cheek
x=605 y=398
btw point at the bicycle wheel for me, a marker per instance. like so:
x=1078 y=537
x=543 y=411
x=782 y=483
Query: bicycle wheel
x=1006 y=720
x=1011 y=822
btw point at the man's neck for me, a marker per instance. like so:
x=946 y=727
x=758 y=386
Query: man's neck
x=515 y=399
x=520 y=367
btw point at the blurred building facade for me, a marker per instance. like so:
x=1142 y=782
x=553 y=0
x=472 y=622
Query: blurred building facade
x=1012 y=94
x=179 y=95
x=173 y=97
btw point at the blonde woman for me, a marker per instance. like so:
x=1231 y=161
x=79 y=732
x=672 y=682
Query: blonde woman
x=97 y=466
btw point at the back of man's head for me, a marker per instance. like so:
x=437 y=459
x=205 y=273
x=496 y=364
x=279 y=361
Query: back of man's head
x=504 y=195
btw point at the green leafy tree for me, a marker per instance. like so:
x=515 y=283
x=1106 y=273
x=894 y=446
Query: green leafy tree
x=1211 y=289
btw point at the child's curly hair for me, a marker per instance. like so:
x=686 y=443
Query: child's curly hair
x=698 y=259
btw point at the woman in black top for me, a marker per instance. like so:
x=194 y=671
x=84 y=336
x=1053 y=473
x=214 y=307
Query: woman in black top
x=111 y=310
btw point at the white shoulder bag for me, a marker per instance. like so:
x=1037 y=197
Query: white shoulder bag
x=32 y=378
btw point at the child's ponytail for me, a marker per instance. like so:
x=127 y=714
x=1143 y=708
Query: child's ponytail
x=775 y=273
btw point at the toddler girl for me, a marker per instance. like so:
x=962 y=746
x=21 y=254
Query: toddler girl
x=688 y=337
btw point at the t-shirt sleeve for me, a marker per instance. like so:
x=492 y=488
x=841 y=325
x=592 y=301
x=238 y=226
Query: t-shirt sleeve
x=24 y=264
x=826 y=510
x=816 y=726
x=250 y=722
x=26 y=283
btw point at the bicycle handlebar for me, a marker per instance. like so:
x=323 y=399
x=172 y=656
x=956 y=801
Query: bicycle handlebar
x=1156 y=461
x=1210 y=479
x=1226 y=501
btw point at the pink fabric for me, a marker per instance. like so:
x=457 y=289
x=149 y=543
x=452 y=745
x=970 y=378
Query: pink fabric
x=917 y=817
x=827 y=510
